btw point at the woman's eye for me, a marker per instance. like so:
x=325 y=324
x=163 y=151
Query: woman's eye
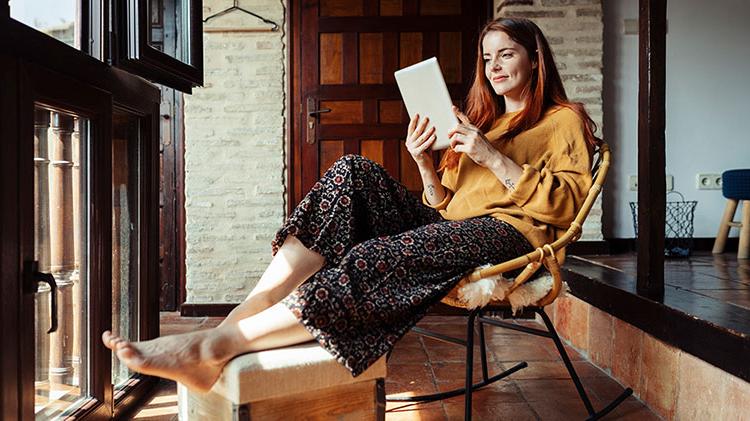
x=507 y=55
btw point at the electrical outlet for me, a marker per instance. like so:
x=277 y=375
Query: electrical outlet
x=708 y=181
x=633 y=182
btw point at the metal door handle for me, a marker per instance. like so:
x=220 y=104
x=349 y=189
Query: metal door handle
x=316 y=112
x=36 y=277
x=313 y=114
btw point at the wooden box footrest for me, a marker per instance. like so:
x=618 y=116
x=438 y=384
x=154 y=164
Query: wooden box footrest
x=298 y=382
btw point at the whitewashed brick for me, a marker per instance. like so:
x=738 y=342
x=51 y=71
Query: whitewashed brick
x=234 y=143
x=574 y=29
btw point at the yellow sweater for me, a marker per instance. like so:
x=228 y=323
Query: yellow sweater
x=556 y=161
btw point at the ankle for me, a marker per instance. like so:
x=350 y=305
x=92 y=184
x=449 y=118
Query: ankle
x=217 y=348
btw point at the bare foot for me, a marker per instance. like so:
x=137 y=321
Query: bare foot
x=186 y=358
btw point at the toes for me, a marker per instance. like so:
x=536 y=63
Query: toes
x=109 y=339
x=127 y=354
x=119 y=343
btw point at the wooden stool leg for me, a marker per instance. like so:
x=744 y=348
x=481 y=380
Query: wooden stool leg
x=743 y=251
x=721 y=236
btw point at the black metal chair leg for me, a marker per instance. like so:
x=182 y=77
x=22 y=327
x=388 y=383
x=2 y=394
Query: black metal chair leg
x=469 y=365
x=483 y=350
x=566 y=360
x=593 y=415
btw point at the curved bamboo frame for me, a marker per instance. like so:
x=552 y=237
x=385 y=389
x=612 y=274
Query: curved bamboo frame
x=545 y=254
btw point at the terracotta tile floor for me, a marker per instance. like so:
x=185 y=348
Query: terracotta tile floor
x=542 y=391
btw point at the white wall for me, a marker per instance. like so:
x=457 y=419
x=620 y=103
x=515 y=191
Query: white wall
x=708 y=60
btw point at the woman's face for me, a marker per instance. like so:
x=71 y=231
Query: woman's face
x=506 y=64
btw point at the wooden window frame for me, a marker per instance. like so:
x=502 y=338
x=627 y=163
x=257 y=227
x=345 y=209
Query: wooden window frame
x=33 y=56
x=172 y=222
x=10 y=270
x=135 y=55
x=42 y=86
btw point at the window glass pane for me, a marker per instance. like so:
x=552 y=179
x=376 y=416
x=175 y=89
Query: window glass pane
x=125 y=233
x=62 y=374
x=170 y=28
x=58 y=18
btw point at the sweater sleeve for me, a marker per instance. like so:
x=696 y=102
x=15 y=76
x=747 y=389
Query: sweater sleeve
x=554 y=188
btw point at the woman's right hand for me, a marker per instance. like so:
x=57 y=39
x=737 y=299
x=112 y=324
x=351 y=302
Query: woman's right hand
x=419 y=140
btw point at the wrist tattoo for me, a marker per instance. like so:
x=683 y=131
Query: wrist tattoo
x=430 y=190
x=509 y=184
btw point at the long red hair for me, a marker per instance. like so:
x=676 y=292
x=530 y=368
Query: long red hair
x=545 y=89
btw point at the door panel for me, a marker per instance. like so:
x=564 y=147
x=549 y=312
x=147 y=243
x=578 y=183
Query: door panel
x=371 y=61
x=391 y=8
x=410 y=48
x=345 y=58
x=331 y=52
x=373 y=150
x=341 y=7
x=330 y=150
x=439 y=7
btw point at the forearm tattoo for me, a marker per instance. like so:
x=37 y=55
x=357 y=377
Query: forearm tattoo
x=430 y=190
x=510 y=184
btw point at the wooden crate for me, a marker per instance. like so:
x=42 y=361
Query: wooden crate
x=296 y=383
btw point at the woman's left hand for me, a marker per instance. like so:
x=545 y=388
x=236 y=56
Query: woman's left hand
x=467 y=138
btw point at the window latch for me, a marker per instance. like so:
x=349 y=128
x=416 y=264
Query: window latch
x=35 y=277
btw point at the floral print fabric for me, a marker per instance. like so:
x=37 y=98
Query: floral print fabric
x=388 y=259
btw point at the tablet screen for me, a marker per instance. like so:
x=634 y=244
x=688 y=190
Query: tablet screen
x=424 y=92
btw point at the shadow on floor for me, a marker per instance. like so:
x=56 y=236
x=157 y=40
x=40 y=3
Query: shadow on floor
x=542 y=391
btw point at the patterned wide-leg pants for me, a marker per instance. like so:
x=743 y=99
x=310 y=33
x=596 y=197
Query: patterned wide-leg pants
x=388 y=259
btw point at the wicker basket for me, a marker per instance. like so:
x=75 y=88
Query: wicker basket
x=678 y=226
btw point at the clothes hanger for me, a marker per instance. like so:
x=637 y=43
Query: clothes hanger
x=236 y=7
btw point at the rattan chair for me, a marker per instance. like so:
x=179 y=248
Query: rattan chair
x=531 y=263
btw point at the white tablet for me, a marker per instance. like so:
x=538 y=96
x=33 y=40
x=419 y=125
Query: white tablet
x=424 y=92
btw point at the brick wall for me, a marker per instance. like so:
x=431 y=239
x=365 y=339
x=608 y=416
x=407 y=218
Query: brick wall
x=574 y=30
x=234 y=153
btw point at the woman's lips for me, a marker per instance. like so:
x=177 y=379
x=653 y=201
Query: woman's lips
x=499 y=78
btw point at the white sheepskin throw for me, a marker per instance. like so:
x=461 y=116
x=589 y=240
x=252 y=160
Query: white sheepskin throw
x=481 y=292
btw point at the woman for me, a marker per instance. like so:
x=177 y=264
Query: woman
x=360 y=260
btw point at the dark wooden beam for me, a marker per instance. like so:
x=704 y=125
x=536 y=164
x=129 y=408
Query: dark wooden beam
x=651 y=153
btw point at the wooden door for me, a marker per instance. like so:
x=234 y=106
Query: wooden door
x=345 y=53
